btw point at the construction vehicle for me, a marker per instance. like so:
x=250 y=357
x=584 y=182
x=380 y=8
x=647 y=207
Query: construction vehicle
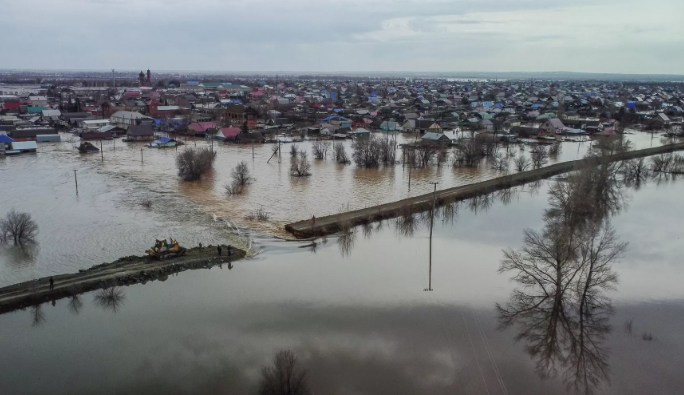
x=164 y=250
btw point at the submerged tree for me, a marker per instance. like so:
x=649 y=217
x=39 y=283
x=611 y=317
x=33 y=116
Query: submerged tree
x=192 y=163
x=241 y=178
x=340 y=154
x=284 y=376
x=300 y=167
x=18 y=227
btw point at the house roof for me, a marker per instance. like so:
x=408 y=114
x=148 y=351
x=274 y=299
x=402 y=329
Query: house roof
x=202 y=126
x=140 y=130
x=230 y=133
x=51 y=113
x=556 y=123
x=434 y=136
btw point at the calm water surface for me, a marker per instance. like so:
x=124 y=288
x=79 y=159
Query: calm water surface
x=353 y=308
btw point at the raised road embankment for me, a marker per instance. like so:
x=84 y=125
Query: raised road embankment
x=334 y=223
x=125 y=271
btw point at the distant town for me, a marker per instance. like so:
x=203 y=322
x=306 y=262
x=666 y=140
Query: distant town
x=34 y=107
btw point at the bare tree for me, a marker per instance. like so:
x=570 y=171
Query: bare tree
x=388 y=151
x=320 y=149
x=469 y=153
x=284 y=376
x=425 y=153
x=521 y=163
x=18 y=227
x=241 y=175
x=293 y=150
x=300 y=167
x=366 y=152
x=500 y=162
x=340 y=153
x=539 y=157
x=192 y=163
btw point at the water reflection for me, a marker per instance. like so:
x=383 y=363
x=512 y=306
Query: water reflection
x=75 y=304
x=560 y=309
x=37 y=316
x=346 y=242
x=110 y=298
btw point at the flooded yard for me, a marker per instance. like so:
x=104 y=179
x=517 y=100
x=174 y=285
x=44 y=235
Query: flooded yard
x=352 y=307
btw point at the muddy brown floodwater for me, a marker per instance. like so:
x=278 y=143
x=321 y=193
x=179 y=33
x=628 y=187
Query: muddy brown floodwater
x=353 y=308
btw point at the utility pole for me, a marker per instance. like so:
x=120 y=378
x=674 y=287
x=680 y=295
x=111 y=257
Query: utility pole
x=101 y=151
x=432 y=221
x=76 y=180
x=142 y=160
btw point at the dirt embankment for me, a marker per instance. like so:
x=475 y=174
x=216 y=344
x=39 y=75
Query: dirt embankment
x=124 y=271
x=334 y=223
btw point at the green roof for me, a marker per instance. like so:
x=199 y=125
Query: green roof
x=36 y=110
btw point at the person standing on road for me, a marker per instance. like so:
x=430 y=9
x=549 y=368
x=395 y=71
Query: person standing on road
x=52 y=283
x=218 y=248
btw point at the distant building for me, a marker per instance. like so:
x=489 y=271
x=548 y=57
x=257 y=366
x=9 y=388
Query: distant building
x=144 y=80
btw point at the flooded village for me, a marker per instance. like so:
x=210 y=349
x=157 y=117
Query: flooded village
x=385 y=234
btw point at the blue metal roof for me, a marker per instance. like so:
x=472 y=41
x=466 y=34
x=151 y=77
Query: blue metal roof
x=5 y=139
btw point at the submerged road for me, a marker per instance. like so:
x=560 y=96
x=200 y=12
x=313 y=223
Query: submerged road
x=334 y=223
x=125 y=271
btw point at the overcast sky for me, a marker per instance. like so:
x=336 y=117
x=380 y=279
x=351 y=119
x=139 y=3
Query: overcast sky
x=615 y=36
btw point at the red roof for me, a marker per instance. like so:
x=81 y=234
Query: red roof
x=230 y=133
x=202 y=127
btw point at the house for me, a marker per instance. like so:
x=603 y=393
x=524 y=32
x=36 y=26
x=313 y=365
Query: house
x=73 y=118
x=237 y=115
x=94 y=124
x=126 y=119
x=487 y=125
x=433 y=137
x=553 y=126
x=31 y=133
x=52 y=115
x=5 y=142
x=24 y=146
x=664 y=119
x=140 y=133
x=230 y=134
x=426 y=125
x=200 y=128
x=360 y=133
x=390 y=126
x=38 y=101
x=96 y=135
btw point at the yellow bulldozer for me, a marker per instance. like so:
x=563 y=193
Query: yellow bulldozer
x=164 y=250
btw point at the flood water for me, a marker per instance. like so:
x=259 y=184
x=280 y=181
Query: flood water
x=353 y=308
x=107 y=220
